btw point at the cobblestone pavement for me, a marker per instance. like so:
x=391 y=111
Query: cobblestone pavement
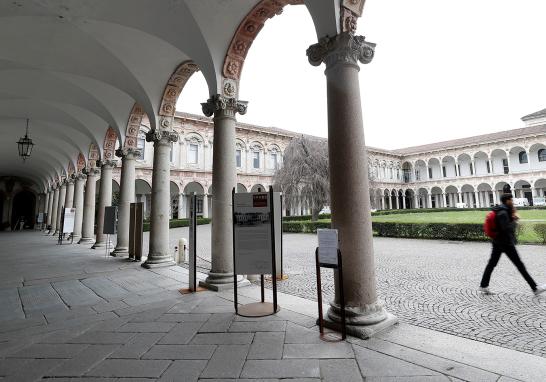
x=433 y=284
x=71 y=314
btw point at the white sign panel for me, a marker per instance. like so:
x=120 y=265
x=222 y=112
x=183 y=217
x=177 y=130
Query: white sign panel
x=252 y=231
x=328 y=246
x=40 y=217
x=69 y=215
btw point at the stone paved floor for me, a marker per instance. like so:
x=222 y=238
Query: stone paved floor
x=68 y=313
x=433 y=284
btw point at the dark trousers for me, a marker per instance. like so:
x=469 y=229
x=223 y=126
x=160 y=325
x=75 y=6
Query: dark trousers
x=513 y=255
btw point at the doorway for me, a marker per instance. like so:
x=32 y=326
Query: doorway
x=24 y=205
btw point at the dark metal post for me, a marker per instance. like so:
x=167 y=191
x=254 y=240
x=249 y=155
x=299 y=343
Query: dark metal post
x=234 y=263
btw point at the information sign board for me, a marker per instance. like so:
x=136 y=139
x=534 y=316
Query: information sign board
x=68 y=223
x=110 y=220
x=40 y=218
x=252 y=233
x=328 y=247
x=135 y=230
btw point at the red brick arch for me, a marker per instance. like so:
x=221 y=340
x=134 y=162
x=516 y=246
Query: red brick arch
x=174 y=87
x=247 y=31
x=94 y=155
x=133 y=126
x=110 y=144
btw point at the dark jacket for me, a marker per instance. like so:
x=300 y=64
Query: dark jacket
x=506 y=226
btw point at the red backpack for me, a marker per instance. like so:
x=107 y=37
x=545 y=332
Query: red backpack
x=490 y=225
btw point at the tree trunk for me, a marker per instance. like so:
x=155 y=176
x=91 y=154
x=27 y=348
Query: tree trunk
x=315 y=214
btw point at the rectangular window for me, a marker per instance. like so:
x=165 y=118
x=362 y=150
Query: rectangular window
x=417 y=175
x=430 y=173
x=256 y=159
x=444 y=171
x=274 y=162
x=471 y=169
x=488 y=167
x=199 y=205
x=238 y=158
x=193 y=151
x=505 y=166
x=141 y=145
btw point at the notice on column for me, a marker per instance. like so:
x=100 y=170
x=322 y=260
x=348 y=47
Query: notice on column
x=252 y=231
x=69 y=215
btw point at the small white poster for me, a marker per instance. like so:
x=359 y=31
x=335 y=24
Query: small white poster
x=252 y=231
x=69 y=215
x=40 y=218
x=328 y=246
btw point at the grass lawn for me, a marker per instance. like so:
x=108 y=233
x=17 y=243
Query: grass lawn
x=528 y=219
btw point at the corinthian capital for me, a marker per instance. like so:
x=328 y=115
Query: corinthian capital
x=107 y=163
x=161 y=136
x=128 y=152
x=220 y=103
x=80 y=176
x=343 y=48
x=91 y=171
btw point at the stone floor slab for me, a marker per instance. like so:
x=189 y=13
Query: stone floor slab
x=181 y=333
x=218 y=322
x=258 y=326
x=146 y=327
x=49 y=351
x=285 y=368
x=226 y=362
x=129 y=368
x=266 y=345
x=321 y=350
x=104 y=338
x=223 y=338
x=83 y=361
x=187 y=371
x=137 y=346
x=180 y=352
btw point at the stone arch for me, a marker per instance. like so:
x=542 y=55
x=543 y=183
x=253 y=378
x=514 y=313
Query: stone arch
x=258 y=188
x=70 y=169
x=173 y=88
x=194 y=187
x=110 y=140
x=241 y=187
x=243 y=38
x=94 y=155
x=80 y=163
x=133 y=126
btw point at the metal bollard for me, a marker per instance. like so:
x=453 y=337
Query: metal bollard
x=182 y=251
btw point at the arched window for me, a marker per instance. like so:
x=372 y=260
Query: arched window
x=542 y=155
x=523 y=157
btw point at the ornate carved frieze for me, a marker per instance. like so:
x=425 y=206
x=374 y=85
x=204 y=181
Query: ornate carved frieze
x=161 y=136
x=128 y=152
x=345 y=48
x=220 y=103
x=110 y=143
x=133 y=126
x=176 y=83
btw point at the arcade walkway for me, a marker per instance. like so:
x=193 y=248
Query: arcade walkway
x=69 y=313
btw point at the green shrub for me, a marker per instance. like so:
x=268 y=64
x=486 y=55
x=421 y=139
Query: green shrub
x=306 y=226
x=442 y=231
x=449 y=209
x=540 y=230
x=304 y=217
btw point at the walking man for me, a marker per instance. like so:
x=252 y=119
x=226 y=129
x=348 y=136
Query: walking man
x=504 y=241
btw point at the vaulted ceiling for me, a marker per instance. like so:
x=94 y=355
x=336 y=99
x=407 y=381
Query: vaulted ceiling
x=77 y=67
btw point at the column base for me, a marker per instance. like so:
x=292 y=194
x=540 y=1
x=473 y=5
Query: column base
x=120 y=252
x=362 y=322
x=102 y=245
x=158 y=261
x=76 y=238
x=219 y=282
x=86 y=240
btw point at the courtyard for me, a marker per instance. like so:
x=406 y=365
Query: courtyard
x=69 y=313
x=431 y=284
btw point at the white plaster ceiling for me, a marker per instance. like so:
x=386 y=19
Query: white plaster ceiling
x=76 y=67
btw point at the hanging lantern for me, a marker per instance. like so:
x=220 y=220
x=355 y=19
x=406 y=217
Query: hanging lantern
x=25 y=145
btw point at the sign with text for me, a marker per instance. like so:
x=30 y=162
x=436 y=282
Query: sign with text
x=252 y=233
x=328 y=247
x=40 y=218
x=68 y=223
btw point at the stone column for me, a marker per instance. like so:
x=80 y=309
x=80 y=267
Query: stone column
x=390 y=201
x=429 y=200
x=159 y=253
x=60 y=205
x=417 y=197
x=69 y=198
x=224 y=178
x=495 y=197
x=88 y=225
x=46 y=209
x=50 y=209
x=79 y=185
x=477 y=195
x=105 y=200
x=404 y=201
x=444 y=197
x=126 y=197
x=205 y=206
x=383 y=202
x=351 y=216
